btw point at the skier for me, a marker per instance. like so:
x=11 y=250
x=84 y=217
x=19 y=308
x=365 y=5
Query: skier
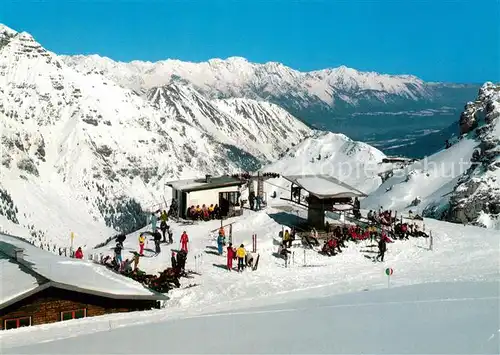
x=287 y=241
x=216 y=212
x=164 y=216
x=136 y=262
x=230 y=256
x=163 y=228
x=283 y=251
x=404 y=229
x=154 y=220
x=170 y=235
x=157 y=239
x=79 y=253
x=382 y=246
x=120 y=238
x=181 y=259
x=251 y=200
x=257 y=203
x=249 y=259
x=118 y=255
x=173 y=260
x=142 y=240
x=356 y=208
x=220 y=243
x=184 y=241
x=240 y=253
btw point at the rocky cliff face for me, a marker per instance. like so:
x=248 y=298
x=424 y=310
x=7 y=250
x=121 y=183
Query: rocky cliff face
x=476 y=199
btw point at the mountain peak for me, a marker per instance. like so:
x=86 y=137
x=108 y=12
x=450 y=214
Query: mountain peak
x=7 y=30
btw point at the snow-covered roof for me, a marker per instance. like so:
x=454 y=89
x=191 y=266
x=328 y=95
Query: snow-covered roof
x=189 y=185
x=324 y=186
x=39 y=269
x=16 y=279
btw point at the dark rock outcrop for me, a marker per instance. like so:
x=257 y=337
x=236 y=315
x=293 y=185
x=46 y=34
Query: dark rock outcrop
x=478 y=191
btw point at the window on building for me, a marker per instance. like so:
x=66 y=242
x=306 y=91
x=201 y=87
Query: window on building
x=76 y=314
x=17 y=323
x=232 y=197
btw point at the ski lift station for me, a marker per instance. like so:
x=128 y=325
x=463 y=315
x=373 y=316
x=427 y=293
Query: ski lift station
x=326 y=194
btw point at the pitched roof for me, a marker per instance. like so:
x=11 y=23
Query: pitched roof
x=39 y=269
x=324 y=186
x=190 y=185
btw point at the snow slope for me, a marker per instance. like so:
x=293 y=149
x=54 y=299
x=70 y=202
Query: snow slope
x=430 y=180
x=441 y=315
x=461 y=183
x=84 y=153
x=460 y=254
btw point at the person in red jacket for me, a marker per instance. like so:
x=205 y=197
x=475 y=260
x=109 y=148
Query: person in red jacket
x=79 y=253
x=382 y=246
x=184 y=241
x=230 y=256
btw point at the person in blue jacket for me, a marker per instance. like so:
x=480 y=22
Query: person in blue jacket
x=220 y=243
x=154 y=220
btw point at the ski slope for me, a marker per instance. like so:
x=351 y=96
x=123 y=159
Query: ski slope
x=459 y=254
x=406 y=320
x=431 y=180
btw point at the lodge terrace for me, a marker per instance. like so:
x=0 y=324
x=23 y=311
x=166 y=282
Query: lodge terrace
x=326 y=194
x=39 y=287
x=224 y=191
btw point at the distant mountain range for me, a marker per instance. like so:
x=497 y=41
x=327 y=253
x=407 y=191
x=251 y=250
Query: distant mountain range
x=367 y=106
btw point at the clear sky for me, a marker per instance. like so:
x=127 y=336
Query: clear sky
x=437 y=40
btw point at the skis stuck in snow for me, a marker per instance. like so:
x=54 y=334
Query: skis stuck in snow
x=256 y=265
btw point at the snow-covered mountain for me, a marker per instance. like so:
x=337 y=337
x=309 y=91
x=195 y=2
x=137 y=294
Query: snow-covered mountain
x=237 y=77
x=356 y=163
x=81 y=142
x=337 y=99
x=260 y=128
x=461 y=183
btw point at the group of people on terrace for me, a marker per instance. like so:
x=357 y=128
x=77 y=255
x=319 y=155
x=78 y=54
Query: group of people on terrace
x=204 y=212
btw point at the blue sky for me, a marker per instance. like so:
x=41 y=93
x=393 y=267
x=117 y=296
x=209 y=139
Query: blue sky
x=437 y=40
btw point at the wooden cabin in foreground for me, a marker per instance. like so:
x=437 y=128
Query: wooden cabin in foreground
x=38 y=287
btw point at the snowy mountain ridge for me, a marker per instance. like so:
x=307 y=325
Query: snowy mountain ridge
x=80 y=142
x=337 y=99
x=301 y=93
x=260 y=128
x=237 y=77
